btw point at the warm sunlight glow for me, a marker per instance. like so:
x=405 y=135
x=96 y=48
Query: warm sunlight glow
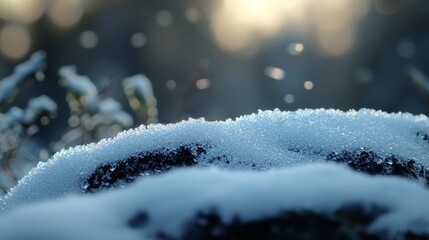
x=24 y=11
x=336 y=42
x=260 y=14
x=245 y=25
x=336 y=22
x=238 y=24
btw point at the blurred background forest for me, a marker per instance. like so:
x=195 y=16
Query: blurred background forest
x=213 y=59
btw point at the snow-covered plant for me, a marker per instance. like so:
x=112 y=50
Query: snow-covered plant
x=22 y=75
x=92 y=115
x=140 y=95
x=16 y=124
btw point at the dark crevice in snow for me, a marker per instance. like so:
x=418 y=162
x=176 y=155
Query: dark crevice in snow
x=368 y=161
x=140 y=219
x=126 y=171
x=350 y=222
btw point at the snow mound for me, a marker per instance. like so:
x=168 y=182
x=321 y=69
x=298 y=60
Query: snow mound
x=267 y=140
x=171 y=206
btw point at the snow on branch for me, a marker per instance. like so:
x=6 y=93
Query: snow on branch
x=39 y=108
x=10 y=85
x=140 y=95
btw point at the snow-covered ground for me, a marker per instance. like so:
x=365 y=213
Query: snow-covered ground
x=292 y=148
x=166 y=203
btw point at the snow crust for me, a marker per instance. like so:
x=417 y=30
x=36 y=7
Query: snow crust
x=267 y=140
x=173 y=199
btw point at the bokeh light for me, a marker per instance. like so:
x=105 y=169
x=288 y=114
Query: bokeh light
x=289 y=99
x=15 y=41
x=24 y=11
x=202 y=83
x=65 y=13
x=138 y=40
x=88 y=39
x=336 y=22
x=275 y=73
x=164 y=18
x=239 y=24
x=295 y=49
x=245 y=25
x=193 y=15
x=308 y=85
x=171 y=84
x=74 y=121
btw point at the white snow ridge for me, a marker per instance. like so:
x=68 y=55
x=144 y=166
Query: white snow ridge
x=273 y=175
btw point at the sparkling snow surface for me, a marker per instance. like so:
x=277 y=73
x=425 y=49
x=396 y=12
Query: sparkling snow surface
x=267 y=140
x=170 y=201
